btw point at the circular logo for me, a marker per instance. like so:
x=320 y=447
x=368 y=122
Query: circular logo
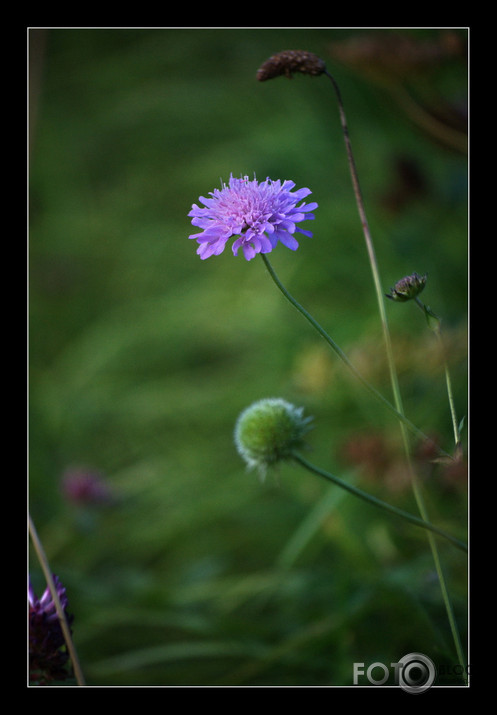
x=416 y=673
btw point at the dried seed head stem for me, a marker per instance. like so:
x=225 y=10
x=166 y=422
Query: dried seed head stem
x=290 y=61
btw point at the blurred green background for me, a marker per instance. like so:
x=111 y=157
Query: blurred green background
x=142 y=355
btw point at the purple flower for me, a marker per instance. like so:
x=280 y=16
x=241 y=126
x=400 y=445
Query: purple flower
x=48 y=656
x=260 y=214
x=85 y=487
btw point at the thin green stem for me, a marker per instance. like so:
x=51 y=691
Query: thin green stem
x=434 y=322
x=393 y=373
x=378 y=502
x=42 y=558
x=371 y=251
x=343 y=357
x=455 y=426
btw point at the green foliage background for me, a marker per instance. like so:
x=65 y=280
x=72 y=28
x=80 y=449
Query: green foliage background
x=142 y=356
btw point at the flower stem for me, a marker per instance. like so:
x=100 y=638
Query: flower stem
x=40 y=552
x=370 y=249
x=378 y=502
x=343 y=357
x=434 y=323
x=393 y=373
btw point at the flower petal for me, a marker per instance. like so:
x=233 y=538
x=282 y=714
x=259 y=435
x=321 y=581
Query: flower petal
x=288 y=240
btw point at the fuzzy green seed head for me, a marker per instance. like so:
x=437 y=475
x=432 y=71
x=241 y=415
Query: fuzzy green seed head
x=269 y=431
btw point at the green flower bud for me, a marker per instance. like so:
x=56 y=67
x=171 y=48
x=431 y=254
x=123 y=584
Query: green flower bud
x=269 y=431
x=407 y=288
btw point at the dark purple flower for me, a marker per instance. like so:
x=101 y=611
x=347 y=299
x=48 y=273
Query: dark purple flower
x=48 y=657
x=260 y=214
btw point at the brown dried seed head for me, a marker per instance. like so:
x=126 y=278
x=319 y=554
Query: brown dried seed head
x=290 y=61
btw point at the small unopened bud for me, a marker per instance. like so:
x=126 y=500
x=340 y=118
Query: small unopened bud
x=270 y=431
x=290 y=61
x=407 y=288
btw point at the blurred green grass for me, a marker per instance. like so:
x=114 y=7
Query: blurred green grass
x=142 y=356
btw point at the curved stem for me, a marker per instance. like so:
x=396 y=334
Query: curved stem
x=40 y=552
x=343 y=357
x=378 y=502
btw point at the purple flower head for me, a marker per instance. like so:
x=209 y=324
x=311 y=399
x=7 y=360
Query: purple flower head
x=260 y=214
x=45 y=605
x=47 y=653
x=85 y=487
